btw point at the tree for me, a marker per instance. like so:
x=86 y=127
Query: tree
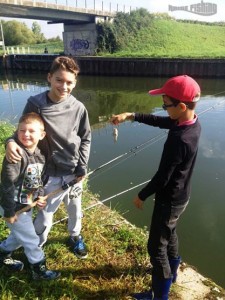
x=17 y=33
x=39 y=36
x=125 y=27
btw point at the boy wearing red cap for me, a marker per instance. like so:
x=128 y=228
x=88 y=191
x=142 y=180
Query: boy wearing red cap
x=171 y=183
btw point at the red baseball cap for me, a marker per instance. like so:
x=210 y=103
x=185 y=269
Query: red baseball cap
x=182 y=87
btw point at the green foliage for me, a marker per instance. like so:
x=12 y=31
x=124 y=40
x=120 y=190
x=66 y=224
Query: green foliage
x=6 y=130
x=114 y=36
x=54 y=47
x=17 y=33
x=141 y=34
x=39 y=36
x=106 y=38
x=56 y=39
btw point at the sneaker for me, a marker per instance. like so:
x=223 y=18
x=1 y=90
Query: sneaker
x=12 y=264
x=78 y=246
x=39 y=271
x=143 y=296
x=46 y=275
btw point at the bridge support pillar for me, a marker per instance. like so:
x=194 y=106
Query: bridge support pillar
x=80 y=40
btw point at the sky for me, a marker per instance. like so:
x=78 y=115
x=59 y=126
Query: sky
x=153 y=6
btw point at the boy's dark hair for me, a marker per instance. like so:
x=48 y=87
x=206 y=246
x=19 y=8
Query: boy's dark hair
x=190 y=105
x=31 y=117
x=64 y=63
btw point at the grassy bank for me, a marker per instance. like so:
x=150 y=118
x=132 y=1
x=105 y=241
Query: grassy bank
x=172 y=39
x=117 y=265
x=148 y=35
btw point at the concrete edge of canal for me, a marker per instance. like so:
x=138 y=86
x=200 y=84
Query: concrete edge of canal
x=108 y=66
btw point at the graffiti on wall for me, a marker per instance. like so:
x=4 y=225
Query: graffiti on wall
x=79 y=44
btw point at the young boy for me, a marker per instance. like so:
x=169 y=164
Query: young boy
x=171 y=183
x=21 y=184
x=67 y=145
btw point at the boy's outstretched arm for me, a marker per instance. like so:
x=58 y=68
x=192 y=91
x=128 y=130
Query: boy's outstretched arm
x=116 y=119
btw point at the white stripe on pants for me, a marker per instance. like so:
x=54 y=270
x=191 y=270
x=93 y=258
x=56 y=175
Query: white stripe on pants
x=44 y=219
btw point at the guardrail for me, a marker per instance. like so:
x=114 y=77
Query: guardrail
x=96 y=7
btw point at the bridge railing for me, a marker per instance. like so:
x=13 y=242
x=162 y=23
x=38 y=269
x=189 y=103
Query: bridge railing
x=96 y=6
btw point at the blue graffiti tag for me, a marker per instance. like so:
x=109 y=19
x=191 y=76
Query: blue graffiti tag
x=77 y=44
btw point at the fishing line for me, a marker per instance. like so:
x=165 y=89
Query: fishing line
x=106 y=199
x=132 y=152
x=211 y=107
x=146 y=144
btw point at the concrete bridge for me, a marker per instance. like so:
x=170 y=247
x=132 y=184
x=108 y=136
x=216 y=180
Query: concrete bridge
x=79 y=36
x=56 y=13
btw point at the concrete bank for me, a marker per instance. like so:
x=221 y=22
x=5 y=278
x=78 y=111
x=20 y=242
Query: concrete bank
x=204 y=68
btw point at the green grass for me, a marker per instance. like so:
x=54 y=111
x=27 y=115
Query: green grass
x=53 y=48
x=165 y=38
x=173 y=39
x=6 y=130
x=115 y=267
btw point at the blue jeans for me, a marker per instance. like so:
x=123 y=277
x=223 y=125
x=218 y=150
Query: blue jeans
x=163 y=240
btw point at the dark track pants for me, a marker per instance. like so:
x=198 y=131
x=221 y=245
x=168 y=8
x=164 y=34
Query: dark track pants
x=163 y=240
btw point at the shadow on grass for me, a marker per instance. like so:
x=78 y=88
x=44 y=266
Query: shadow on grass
x=84 y=283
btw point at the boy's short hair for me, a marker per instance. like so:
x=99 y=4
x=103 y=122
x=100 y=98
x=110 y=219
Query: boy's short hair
x=183 y=88
x=32 y=117
x=190 y=105
x=64 y=63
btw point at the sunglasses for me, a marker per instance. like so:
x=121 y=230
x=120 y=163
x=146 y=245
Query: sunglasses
x=165 y=106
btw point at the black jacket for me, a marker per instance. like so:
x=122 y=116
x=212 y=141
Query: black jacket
x=171 y=183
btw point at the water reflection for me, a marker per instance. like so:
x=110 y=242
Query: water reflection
x=201 y=227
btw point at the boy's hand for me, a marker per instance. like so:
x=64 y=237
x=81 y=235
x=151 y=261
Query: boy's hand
x=41 y=202
x=13 y=152
x=80 y=178
x=138 y=202
x=116 y=119
x=11 y=220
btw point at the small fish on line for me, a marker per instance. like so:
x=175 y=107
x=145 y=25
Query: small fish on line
x=115 y=134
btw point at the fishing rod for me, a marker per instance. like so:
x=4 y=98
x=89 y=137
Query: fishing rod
x=105 y=200
x=44 y=198
x=74 y=181
x=131 y=152
x=134 y=150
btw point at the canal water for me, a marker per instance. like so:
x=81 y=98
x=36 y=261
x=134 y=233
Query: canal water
x=136 y=153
